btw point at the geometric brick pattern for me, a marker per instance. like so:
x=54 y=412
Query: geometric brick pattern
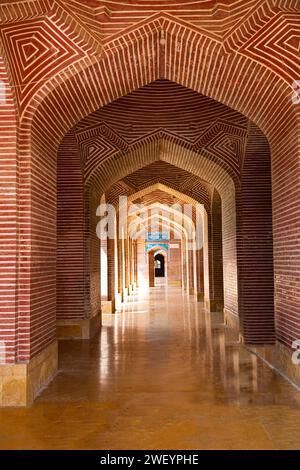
x=194 y=120
x=36 y=50
x=164 y=173
x=280 y=36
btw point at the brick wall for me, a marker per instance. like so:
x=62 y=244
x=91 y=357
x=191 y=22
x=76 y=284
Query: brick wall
x=216 y=278
x=151 y=269
x=92 y=281
x=255 y=242
x=111 y=274
x=70 y=232
x=175 y=263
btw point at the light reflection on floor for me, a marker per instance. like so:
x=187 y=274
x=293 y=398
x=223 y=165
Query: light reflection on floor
x=163 y=374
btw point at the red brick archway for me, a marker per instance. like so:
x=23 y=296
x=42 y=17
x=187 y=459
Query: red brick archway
x=249 y=84
x=89 y=97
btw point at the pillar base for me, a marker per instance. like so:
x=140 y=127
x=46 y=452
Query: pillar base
x=200 y=296
x=125 y=294
x=130 y=289
x=280 y=357
x=231 y=320
x=213 y=306
x=277 y=355
x=108 y=306
x=21 y=383
x=118 y=301
x=174 y=283
x=79 y=329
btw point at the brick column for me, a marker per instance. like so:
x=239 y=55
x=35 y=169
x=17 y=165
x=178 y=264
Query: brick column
x=175 y=265
x=151 y=269
x=77 y=280
x=26 y=363
x=200 y=274
x=125 y=268
x=70 y=277
x=142 y=265
x=131 y=266
x=191 y=271
x=8 y=226
x=93 y=296
x=104 y=271
x=127 y=264
x=184 y=266
x=109 y=305
x=216 y=255
x=135 y=263
x=255 y=243
x=120 y=266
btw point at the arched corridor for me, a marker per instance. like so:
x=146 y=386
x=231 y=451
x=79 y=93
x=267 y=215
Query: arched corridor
x=164 y=165
x=149 y=222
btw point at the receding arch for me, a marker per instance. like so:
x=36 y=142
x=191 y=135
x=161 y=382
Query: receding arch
x=177 y=227
x=201 y=166
x=244 y=79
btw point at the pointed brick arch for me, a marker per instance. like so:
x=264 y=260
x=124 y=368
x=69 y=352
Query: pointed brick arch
x=134 y=60
x=149 y=151
x=114 y=169
x=205 y=277
x=174 y=192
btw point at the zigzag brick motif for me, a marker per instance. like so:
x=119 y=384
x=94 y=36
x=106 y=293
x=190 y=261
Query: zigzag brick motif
x=194 y=120
x=213 y=18
x=39 y=50
x=279 y=37
x=164 y=173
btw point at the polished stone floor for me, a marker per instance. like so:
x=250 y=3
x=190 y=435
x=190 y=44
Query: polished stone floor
x=163 y=374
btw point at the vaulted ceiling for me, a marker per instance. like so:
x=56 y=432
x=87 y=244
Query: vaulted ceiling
x=162 y=110
x=110 y=17
x=43 y=38
x=162 y=105
x=164 y=174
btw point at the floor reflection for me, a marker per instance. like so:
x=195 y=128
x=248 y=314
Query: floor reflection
x=163 y=374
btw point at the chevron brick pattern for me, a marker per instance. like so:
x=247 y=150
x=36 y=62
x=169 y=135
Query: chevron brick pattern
x=279 y=37
x=36 y=49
